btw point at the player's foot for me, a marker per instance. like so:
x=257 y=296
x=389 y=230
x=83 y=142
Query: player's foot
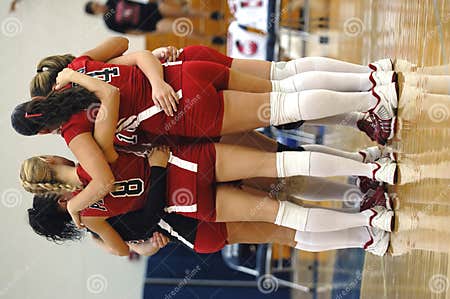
x=373 y=153
x=367 y=126
x=382 y=65
x=382 y=218
x=384 y=130
x=375 y=198
x=382 y=78
x=385 y=171
x=401 y=65
x=365 y=184
x=387 y=101
x=379 y=243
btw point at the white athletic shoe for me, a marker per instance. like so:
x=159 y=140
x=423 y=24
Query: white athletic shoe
x=381 y=65
x=382 y=78
x=385 y=171
x=387 y=101
x=380 y=241
x=373 y=153
x=382 y=218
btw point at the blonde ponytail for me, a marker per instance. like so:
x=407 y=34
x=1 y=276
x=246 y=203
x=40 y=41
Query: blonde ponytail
x=38 y=177
x=46 y=72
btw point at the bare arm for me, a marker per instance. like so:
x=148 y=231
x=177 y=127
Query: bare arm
x=110 y=237
x=108 y=115
x=93 y=161
x=110 y=48
x=163 y=94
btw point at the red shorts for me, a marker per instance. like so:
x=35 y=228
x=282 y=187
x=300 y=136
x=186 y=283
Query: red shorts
x=191 y=181
x=201 y=108
x=211 y=237
x=203 y=53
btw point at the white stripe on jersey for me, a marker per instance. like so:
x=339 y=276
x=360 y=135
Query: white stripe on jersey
x=190 y=166
x=166 y=226
x=182 y=209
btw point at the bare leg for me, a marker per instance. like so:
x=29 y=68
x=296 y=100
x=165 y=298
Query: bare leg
x=258 y=68
x=259 y=232
x=248 y=83
x=251 y=139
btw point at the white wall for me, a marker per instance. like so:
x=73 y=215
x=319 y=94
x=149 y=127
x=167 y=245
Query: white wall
x=31 y=267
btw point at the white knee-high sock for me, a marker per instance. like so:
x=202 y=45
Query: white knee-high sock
x=313 y=104
x=347 y=119
x=356 y=237
x=320 y=103
x=320 y=165
x=284 y=69
x=318 y=220
x=333 y=151
x=323 y=220
x=324 y=80
x=284 y=108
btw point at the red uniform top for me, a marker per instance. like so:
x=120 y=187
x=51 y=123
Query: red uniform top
x=200 y=111
x=135 y=96
x=132 y=176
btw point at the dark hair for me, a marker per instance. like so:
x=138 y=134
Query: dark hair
x=88 y=8
x=46 y=72
x=52 y=111
x=49 y=221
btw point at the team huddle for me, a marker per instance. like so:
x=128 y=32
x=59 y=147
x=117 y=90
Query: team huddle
x=166 y=149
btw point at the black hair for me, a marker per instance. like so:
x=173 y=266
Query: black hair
x=52 y=111
x=46 y=219
x=88 y=8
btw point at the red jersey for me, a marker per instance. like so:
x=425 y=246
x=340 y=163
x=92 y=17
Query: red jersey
x=132 y=175
x=135 y=98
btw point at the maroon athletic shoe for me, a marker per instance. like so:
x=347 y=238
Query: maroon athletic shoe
x=377 y=197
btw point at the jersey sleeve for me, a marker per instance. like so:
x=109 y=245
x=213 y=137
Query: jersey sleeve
x=79 y=63
x=79 y=123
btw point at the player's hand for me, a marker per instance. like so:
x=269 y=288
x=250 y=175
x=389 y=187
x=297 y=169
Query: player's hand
x=168 y=54
x=159 y=240
x=165 y=97
x=76 y=218
x=159 y=156
x=171 y=53
x=64 y=77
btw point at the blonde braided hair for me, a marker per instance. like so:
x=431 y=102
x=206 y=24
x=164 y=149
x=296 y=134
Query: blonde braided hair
x=38 y=177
